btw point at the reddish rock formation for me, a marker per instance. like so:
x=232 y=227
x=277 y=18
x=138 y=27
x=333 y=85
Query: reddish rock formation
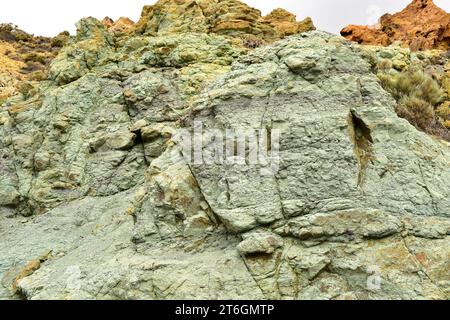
x=122 y=25
x=421 y=25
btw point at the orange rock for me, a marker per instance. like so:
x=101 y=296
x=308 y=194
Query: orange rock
x=122 y=25
x=421 y=25
x=108 y=22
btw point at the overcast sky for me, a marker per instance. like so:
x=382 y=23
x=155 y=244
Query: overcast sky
x=49 y=17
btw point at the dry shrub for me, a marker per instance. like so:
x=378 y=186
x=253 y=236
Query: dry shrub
x=417 y=84
x=416 y=111
x=10 y=33
x=35 y=57
x=252 y=42
x=61 y=39
x=417 y=95
x=385 y=65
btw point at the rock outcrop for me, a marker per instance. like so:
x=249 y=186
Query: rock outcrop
x=100 y=199
x=421 y=26
x=224 y=17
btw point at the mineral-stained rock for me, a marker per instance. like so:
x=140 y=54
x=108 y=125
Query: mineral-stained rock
x=226 y=17
x=24 y=59
x=107 y=22
x=358 y=207
x=366 y=35
x=119 y=27
x=99 y=199
x=259 y=242
x=421 y=26
x=285 y=23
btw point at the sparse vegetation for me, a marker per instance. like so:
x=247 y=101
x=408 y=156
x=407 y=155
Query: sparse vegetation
x=385 y=65
x=36 y=57
x=60 y=40
x=443 y=111
x=38 y=75
x=418 y=96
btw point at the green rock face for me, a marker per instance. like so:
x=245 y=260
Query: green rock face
x=358 y=207
x=74 y=138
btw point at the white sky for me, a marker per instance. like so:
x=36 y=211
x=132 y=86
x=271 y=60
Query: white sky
x=49 y=17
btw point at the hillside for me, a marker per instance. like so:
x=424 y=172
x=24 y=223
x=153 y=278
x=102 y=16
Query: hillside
x=208 y=152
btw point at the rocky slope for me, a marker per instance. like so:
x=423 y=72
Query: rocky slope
x=99 y=201
x=224 y=17
x=397 y=67
x=421 y=26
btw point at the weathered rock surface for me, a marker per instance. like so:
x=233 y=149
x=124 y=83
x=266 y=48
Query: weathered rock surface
x=24 y=59
x=225 y=17
x=98 y=202
x=421 y=26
